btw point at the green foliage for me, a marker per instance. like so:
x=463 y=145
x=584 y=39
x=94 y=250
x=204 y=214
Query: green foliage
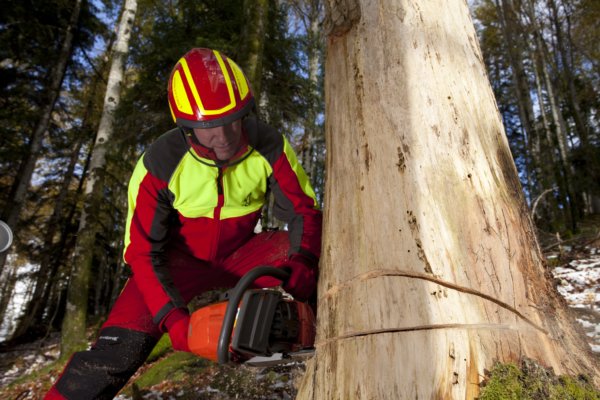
x=533 y=382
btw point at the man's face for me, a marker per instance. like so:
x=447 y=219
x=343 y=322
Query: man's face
x=223 y=140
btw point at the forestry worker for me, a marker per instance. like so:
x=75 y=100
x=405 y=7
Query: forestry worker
x=195 y=198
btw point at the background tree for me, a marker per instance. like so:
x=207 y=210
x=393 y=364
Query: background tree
x=430 y=271
x=18 y=191
x=35 y=116
x=32 y=322
x=75 y=322
x=531 y=44
x=312 y=143
x=252 y=42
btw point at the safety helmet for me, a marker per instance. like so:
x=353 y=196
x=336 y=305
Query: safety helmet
x=206 y=89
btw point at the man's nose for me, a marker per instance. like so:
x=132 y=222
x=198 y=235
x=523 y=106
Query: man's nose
x=222 y=137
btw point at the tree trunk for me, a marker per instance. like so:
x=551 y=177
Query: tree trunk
x=45 y=275
x=310 y=140
x=511 y=30
x=256 y=13
x=430 y=269
x=23 y=178
x=548 y=167
x=44 y=278
x=62 y=250
x=73 y=327
x=560 y=130
x=7 y=286
x=568 y=75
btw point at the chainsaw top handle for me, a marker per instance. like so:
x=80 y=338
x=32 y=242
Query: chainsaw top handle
x=234 y=300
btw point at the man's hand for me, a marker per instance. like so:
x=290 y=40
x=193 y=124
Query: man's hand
x=177 y=324
x=302 y=282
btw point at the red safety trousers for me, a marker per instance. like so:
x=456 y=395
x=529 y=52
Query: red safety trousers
x=129 y=335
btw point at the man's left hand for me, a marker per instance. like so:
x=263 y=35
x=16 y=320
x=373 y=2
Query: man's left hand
x=177 y=323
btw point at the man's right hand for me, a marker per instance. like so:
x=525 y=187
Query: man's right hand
x=177 y=324
x=302 y=282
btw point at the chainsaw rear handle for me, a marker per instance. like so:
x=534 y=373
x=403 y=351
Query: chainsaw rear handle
x=234 y=300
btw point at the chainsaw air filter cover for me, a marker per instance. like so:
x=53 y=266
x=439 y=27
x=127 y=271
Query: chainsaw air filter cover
x=254 y=321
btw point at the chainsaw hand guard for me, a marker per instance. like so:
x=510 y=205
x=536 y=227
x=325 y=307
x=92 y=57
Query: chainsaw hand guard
x=234 y=301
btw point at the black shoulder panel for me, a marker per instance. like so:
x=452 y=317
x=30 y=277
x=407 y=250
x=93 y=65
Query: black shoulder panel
x=265 y=139
x=165 y=153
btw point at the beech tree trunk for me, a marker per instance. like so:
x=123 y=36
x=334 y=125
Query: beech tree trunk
x=74 y=323
x=430 y=269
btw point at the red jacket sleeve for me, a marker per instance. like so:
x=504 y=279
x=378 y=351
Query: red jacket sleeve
x=145 y=241
x=296 y=204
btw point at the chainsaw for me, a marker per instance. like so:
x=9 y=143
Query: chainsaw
x=257 y=327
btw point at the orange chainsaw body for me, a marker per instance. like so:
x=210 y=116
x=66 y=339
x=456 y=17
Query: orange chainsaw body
x=276 y=329
x=205 y=326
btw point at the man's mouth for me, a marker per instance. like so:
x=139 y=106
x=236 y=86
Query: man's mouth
x=224 y=146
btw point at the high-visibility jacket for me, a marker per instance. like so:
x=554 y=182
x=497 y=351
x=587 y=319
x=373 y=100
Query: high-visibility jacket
x=179 y=199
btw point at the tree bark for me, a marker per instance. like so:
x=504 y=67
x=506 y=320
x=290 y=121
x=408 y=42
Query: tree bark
x=57 y=226
x=45 y=275
x=44 y=278
x=310 y=140
x=549 y=167
x=74 y=324
x=7 y=285
x=430 y=270
x=512 y=32
x=568 y=75
x=560 y=131
x=256 y=14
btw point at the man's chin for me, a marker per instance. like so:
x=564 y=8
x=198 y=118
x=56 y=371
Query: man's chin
x=225 y=153
x=224 y=156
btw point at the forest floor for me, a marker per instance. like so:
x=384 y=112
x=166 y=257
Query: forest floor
x=27 y=371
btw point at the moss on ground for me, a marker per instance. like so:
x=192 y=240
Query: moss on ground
x=160 y=349
x=530 y=381
x=174 y=367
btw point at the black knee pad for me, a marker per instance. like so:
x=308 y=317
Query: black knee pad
x=99 y=373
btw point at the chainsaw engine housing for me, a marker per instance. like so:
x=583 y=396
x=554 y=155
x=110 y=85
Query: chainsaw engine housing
x=266 y=323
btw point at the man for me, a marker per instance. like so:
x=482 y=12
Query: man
x=194 y=199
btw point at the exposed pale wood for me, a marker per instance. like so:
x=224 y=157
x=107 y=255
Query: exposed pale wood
x=430 y=269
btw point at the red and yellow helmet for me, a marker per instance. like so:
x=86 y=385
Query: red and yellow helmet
x=207 y=89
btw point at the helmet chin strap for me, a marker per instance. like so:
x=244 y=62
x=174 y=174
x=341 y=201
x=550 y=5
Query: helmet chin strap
x=201 y=149
x=207 y=152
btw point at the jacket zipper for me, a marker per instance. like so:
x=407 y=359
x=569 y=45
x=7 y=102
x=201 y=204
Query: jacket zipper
x=217 y=214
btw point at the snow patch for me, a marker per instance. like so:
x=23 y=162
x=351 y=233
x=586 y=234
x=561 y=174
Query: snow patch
x=579 y=284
